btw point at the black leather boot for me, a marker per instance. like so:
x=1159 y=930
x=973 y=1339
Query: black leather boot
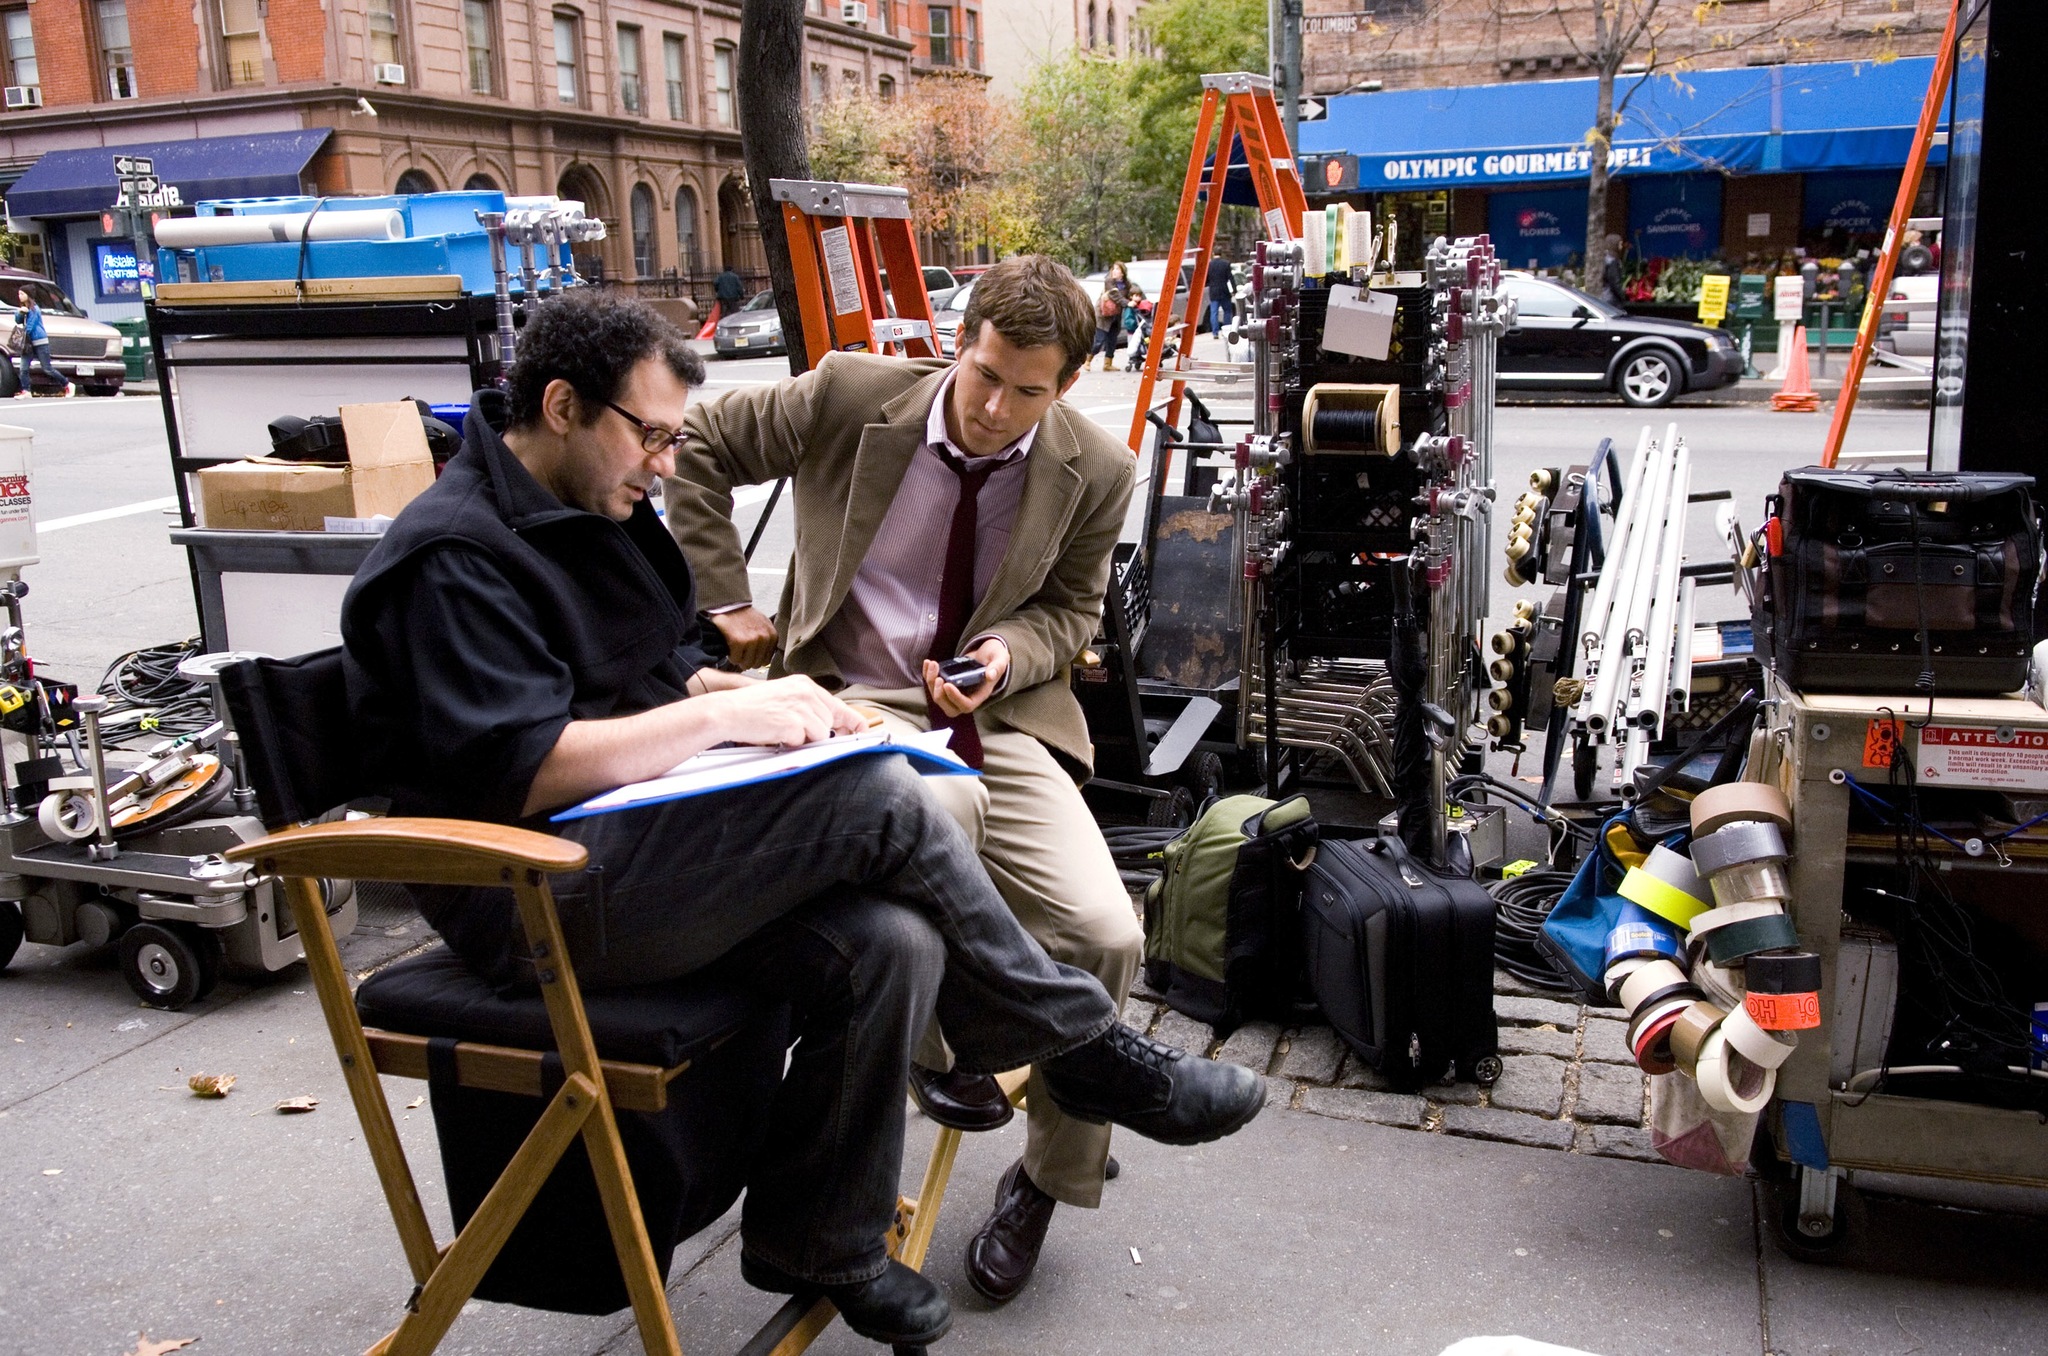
x=1164 y=1094
x=899 y=1306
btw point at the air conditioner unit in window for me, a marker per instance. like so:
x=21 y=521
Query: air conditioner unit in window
x=24 y=96
x=853 y=12
x=388 y=73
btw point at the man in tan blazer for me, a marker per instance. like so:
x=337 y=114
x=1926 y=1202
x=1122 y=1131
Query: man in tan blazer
x=950 y=510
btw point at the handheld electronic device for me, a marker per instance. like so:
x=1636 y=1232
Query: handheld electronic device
x=964 y=672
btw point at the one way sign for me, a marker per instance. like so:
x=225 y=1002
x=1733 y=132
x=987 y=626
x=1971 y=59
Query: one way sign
x=1314 y=110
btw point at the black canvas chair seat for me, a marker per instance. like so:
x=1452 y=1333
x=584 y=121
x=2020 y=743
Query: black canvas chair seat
x=436 y=994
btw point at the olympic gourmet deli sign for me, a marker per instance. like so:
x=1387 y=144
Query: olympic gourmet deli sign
x=1508 y=168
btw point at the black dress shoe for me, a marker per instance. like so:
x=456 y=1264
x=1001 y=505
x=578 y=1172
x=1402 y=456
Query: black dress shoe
x=1159 y=1092
x=899 y=1306
x=962 y=1101
x=1001 y=1255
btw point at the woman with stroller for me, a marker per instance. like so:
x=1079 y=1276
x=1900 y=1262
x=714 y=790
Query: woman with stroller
x=1118 y=291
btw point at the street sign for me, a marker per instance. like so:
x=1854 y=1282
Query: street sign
x=134 y=164
x=1336 y=23
x=1314 y=110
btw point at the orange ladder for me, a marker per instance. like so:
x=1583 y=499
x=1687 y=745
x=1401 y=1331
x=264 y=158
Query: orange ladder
x=842 y=239
x=1249 y=117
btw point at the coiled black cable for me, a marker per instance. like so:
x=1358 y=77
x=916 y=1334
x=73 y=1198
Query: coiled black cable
x=1139 y=851
x=1345 y=430
x=1521 y=904
x=147 y=682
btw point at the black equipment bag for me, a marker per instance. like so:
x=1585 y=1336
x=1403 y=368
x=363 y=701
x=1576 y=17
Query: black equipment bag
x=1400 y=956
x=1894 y=581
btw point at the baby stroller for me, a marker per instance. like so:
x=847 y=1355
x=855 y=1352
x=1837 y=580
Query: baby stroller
x=1138 y=319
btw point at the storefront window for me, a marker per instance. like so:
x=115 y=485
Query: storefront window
x=1674 y=216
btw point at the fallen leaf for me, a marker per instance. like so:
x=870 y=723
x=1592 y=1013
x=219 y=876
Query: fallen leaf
x=415 y=1104
x=210 y=1085
x=148 y=1348
x=297 y=1104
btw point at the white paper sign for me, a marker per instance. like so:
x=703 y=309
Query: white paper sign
x=1759 y=223
x=1359 y=323
x=1788 y=297
x=1952 y=755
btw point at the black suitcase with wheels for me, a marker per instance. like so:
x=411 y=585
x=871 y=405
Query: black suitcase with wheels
x=1400 y=956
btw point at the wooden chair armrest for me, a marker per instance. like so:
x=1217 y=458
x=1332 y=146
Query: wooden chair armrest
x=412 y=851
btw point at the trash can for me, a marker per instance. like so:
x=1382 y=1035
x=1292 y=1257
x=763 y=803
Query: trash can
x=135 y=348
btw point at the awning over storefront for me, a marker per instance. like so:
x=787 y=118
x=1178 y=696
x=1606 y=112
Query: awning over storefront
x=1837 y=115
x=81 y=182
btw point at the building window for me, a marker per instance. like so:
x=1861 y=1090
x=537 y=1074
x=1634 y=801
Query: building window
x=721 y=75
x=885 y=88
x=414 y=181
x=643 y=231
x=117 y=57
x=821 y=84
x=687 y=262
x=21 y=49
x=480 y=183
x=972 y=19
x=241 y=42
x=631 y=93
x=1091 y=23
x=384 y=46
x=479 y=38
x=568 y=58
x=941 y=31
x=1109 y=29
x=672 y=67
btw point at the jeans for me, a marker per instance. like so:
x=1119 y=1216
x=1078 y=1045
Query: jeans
x=850 y=894
x=1216 y=315
x=38 y=354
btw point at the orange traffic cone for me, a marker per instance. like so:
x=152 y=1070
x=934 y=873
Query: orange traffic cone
x=711 y=321
x=1796 y=395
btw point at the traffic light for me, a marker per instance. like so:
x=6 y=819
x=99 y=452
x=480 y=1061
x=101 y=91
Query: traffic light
x=1325 y=175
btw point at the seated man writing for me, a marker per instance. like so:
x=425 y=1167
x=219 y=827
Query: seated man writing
x=524 y=636
x=943 y=511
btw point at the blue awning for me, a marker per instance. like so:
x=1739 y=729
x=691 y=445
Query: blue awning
x=82 y=183
x=1833 y=115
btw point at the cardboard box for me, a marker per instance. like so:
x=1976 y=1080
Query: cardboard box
x=388 y=466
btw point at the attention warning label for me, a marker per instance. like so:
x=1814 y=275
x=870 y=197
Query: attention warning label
x=1952 y=755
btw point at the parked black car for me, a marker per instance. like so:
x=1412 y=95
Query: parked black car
x=1565 y=340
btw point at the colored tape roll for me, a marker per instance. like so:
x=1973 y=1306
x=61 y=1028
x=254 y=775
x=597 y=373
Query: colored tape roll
x=1730 y=1082
x=1616 y=973
x=1661 y=898
x=1757 y=1045
x=1655 y=977
x=1735 y=802
x=1713 y=920
x=1675 y=868
x=1738 y=940
x=1783 y=972
x=1738 y=845
x=1690 y=1032
x=1643 y=939
x=1722 y=986
x=1784 y=1011
x=1649 y=1034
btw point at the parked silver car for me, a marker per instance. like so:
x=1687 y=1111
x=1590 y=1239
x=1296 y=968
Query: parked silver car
x=754 y=328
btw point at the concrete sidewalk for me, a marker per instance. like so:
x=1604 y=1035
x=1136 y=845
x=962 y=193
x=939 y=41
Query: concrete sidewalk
x=134 y=1207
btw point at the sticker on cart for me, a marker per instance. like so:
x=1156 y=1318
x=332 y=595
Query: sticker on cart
x=1881 y=742
x=1954 y=755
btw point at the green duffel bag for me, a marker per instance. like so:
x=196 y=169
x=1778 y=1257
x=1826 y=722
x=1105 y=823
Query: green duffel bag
x=1222 y=922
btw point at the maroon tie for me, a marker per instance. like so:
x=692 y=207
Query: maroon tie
x=956 y=600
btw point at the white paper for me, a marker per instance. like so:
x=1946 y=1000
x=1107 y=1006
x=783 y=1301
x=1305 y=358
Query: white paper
x=1359 y=322
x=722 y=769
x=1759 y=223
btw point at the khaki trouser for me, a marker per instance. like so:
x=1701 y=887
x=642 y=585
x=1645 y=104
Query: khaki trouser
x=1042 y=849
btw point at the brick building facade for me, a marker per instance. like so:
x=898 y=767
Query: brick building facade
x=628 y=105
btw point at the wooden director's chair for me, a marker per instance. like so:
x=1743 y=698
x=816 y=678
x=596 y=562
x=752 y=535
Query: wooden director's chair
x=290 y=719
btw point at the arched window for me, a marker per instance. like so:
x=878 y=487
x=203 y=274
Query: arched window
x=480 y=183
x=1091 y=23
x=1109 y=29
x=643 y=231
x=687 y=261
x=414 y=181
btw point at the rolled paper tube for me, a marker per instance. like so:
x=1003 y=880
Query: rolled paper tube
x=1730 y=1082
x=1736 y=845
x=179 y=233
x=1740 y=940
x=1655 y=977
x=1665 y=900
x=1675 y=868
x=1690 y=1032
x=1757 y=1045
x=1783 y=972
x=1735 y=802
x=1649 y=1035
x=1715 y=919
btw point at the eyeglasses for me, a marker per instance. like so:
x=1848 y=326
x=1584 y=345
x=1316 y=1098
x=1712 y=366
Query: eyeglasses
x=653 y=437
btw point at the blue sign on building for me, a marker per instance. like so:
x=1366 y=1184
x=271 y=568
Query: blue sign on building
x=1544 y=228
x=1675 y=216
x=1849 y=204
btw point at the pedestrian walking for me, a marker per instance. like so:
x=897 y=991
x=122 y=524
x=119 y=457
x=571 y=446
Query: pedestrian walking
x=1613 y=290
x=35 y=347
x=1220 y=310
x=1117 y=292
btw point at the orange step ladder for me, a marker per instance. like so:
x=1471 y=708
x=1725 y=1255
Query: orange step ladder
x=1237 y=108
x=842 y=239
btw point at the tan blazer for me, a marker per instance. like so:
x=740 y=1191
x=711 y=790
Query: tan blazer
x=846 y=432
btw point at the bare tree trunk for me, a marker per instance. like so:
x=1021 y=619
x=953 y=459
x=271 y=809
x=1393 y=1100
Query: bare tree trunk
x=1608 y=54
x=772 y=139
